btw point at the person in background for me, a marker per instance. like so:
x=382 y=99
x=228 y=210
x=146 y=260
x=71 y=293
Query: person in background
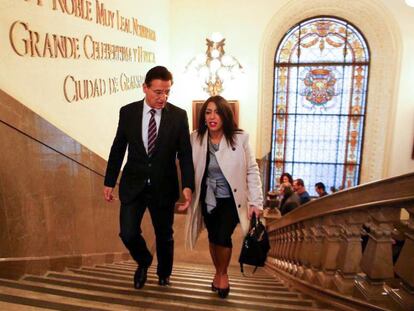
x=228 y=189
x=155 y=133
x=286 y=178
x=299 y=188
x=320 y=189
x=290 y=200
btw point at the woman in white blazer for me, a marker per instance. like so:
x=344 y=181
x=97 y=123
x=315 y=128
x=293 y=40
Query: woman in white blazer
x=228 y=189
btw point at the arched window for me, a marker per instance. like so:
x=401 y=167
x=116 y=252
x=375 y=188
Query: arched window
x=319 y=103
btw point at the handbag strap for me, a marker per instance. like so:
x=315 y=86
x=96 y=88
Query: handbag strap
x=254 y=222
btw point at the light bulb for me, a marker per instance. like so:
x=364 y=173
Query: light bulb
x=214 y=65
x=216 y=37
x=215 y=53
x=410 y=2
x=227 y=60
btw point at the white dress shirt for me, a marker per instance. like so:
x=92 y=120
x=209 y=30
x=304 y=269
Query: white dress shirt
x=146 y=115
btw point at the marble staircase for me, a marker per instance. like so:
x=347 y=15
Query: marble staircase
x=109 y=287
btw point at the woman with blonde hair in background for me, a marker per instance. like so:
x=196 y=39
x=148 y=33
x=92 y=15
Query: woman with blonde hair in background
x=228 y=189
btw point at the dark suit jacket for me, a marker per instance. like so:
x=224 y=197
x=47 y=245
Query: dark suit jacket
x=172 y=141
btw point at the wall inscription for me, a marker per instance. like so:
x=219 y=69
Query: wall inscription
x=26 y=41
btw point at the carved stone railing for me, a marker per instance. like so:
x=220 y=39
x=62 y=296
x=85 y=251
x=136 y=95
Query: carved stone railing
x=340 y=248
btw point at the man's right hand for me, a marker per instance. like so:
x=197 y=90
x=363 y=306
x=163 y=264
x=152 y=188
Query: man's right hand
x=109 y=197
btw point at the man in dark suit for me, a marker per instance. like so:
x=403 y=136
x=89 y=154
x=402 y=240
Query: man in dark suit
x=156 y=133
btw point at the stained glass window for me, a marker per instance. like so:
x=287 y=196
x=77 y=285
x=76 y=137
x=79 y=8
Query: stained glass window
x=319 y=104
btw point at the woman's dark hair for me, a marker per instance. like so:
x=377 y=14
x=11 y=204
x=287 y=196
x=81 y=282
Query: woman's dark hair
x=288 y=176
x=226 y=114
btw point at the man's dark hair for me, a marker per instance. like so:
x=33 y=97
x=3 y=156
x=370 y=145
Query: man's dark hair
x=320 y=185
x=226 y=114
x=158 y=73
x=300 y=182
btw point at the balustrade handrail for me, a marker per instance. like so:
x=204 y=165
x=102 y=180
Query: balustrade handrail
x=386 y=192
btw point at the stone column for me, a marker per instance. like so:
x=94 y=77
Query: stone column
x=306 y=248
x=292 y=251
x=404 y=267
x=377 y=258
x=350 y=252
x=315 y=251
x=298 y=249
x=330 y=251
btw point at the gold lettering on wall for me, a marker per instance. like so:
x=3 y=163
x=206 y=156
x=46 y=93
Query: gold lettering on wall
x=26 y=42
x=123 y=23
x=100 y=50
x=130 y=82
x=76 y=90
x=34 y=43
x=77 y=8
x=103 y=16
x=142 y=31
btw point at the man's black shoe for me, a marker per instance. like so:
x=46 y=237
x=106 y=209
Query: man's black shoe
x=140 y=277
x=164 y=281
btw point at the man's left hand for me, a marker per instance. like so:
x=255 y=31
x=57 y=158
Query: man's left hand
x=187 y=196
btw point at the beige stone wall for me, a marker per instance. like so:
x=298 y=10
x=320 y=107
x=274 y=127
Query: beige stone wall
x=52 y=212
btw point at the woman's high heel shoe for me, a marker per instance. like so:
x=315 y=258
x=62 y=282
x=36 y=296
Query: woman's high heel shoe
x=213 y=287
x=223 y=292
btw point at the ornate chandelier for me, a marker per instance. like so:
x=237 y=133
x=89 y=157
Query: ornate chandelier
x=214 y=67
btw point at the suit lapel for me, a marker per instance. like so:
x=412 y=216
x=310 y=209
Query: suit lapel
x=164 y=127
x=138 y=125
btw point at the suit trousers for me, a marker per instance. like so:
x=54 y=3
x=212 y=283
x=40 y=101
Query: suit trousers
x=162 y=217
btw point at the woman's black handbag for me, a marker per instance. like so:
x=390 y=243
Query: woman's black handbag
x=255 y=245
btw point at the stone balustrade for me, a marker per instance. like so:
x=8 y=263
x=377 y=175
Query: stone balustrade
x=346 y=246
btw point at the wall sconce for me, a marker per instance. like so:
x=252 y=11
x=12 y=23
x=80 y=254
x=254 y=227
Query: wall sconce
x=214 y=68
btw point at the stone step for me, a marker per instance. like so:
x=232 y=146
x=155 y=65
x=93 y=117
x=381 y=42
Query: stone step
x=26 y=297
x=189 y=295
x=181 y=288
x=68 y=298
x=109 y=287
x=233 y=282
x=264 y=280
x=233 y=270
x=187 y=283
x=12 y=306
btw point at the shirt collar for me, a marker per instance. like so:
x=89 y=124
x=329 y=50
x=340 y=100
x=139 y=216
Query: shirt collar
x=147 y=108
